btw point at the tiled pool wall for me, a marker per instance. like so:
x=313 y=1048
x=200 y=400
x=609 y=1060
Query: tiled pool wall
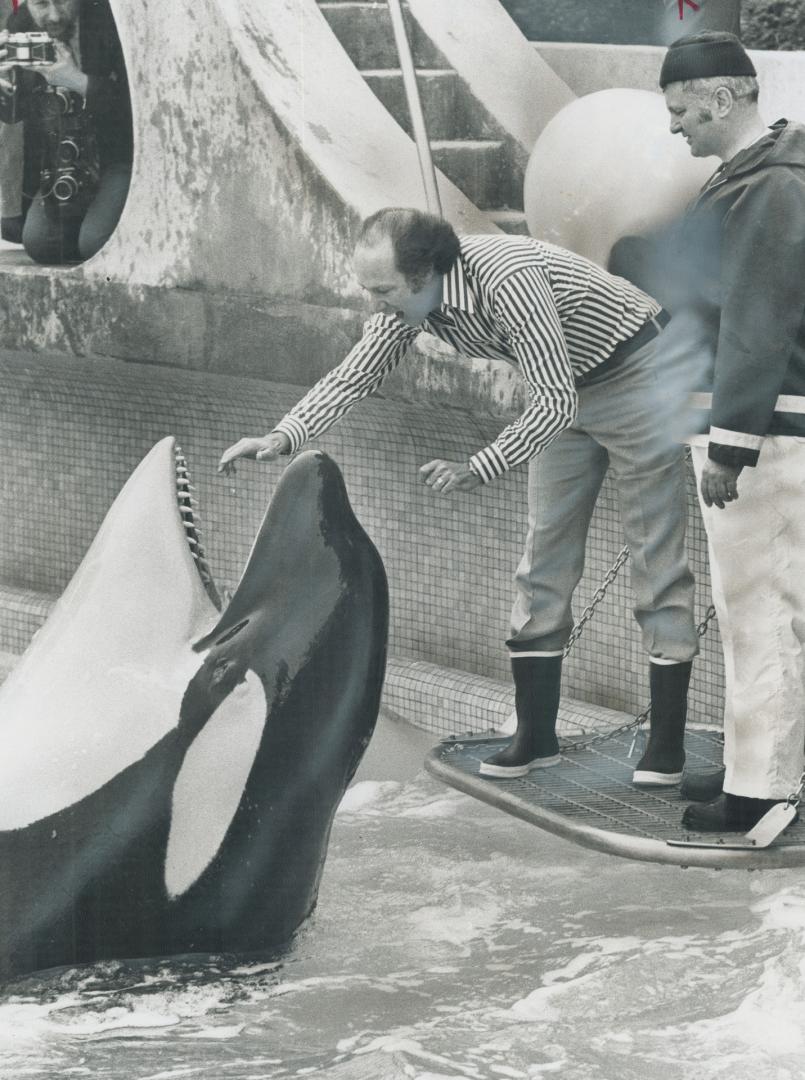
x=73 y=430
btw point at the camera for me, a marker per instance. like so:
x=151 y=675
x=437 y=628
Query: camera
x=71 y=174
x=35 y=47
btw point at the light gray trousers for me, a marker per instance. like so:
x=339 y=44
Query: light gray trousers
x=624 y=422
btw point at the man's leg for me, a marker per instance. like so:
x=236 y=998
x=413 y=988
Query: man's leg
x=757 y=560
x=631 y=414
x=104 y=212
x=50 y=233
x=563 y=484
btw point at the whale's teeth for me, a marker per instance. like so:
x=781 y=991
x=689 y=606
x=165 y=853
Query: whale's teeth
x=186 y=510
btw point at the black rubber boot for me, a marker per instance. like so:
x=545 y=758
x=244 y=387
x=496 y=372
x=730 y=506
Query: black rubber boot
x=537 y=681
x=727 y=813
x=662 y=763
x=702 y=786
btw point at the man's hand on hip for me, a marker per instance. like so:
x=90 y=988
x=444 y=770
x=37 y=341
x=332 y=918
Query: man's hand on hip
x=446 y=476
x=264 y=448
x=719 y=483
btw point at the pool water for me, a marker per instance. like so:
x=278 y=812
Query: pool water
x=452 y=941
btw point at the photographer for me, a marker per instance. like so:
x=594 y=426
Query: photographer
x=76 y=117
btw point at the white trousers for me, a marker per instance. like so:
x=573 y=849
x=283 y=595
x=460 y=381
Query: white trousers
x=757 y=566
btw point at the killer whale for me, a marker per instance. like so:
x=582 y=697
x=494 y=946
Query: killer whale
x=171 y=772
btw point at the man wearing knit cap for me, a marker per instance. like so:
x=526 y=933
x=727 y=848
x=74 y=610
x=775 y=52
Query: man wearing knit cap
x=741 y=251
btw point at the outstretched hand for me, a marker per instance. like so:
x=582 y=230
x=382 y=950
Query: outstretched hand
x=446 y=476
x=263 y=448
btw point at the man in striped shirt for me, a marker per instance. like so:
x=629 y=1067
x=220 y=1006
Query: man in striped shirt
x=584 y=342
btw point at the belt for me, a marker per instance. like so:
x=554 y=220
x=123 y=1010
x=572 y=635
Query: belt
x=649 y=330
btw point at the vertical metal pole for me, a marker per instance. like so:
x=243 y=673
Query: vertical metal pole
x=415 y=108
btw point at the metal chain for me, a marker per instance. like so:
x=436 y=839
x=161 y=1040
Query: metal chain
x=637 y=721
x=795 y=798
x=598 y=596
x=640 y=719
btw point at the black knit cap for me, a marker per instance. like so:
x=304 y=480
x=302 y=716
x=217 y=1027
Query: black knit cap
x=701 y=56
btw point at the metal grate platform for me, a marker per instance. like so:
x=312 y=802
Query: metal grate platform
x=589 y=799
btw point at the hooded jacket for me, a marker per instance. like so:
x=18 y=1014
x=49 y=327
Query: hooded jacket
x=741 y=250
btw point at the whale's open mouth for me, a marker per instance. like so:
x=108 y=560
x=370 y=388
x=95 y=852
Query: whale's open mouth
x=115 y=656
x=190 y=517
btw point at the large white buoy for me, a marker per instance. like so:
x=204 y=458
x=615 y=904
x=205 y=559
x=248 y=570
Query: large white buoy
x=605 y=167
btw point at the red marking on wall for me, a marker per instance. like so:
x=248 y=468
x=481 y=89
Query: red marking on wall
x=690 y=3
x=15 y=4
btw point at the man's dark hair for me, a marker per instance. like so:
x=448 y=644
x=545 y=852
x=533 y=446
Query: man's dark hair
x=421 y=242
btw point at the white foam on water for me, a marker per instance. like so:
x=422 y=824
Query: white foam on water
x=116 y=1011
x=365 y=794
x=465 y=917
x=221 y=1032
x=436 y=808
x=402 y=1043
x=115 y=1019
x=603 y=946
x=389 y=798
x=768 y=1022
x=468 y=947
x=25 y=1021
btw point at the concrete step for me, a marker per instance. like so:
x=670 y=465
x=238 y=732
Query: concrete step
x=481 y=168
x=22 y=612
x=510 y=221
x=448 y=109
x=364 y=29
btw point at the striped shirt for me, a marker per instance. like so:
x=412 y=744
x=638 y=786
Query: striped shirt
x=553 y=314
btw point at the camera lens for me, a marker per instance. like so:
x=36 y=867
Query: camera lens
x=68 y=152
x=65 y=188
x=63 y=100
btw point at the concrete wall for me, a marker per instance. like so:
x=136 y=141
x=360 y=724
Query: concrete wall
x=587 y=68
x=72 y=431
x=258 y=147
x=231 y=259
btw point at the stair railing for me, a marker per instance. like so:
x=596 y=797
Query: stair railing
x=415 y=108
